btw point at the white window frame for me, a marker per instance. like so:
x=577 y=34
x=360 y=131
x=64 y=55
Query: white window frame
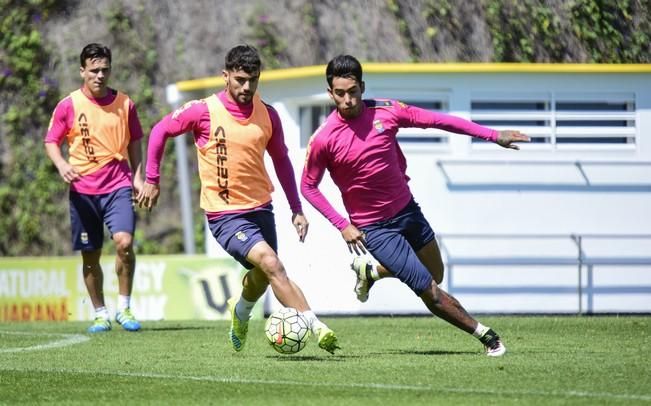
x=551 y=116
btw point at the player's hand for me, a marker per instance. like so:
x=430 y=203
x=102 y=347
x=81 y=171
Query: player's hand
x=68 y=172
x=506 y=138
x=148 y=196
x=138 y=185
x=355 y=239
x=301 y=224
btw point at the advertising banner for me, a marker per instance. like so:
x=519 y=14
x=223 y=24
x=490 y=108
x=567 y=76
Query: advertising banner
x=165 y=288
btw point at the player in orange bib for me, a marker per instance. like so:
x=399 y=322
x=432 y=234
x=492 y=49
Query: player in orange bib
x=102 y=130
x=232 y=130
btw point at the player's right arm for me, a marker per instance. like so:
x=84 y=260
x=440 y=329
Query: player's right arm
x=68 y=172
x=60 y=125
x=313 y=171
x=192 y=116
x=315 y=166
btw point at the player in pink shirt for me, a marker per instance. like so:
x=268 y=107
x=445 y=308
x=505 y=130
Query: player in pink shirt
x=232 y=130
x=102 y=130
x=358 y=145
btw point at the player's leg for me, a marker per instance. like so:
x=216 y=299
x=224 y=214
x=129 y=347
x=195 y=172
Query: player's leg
x=125 y=264
x=93 y=277
x=437 y=300
x=446 y=306
x=396 y=243
x=288 y=293
x=94 y=281
x=271 y=268
x=251 y=239
x=236 y=234
x=87 y=232
x=430 y=256
x=120 y=219
x=367 y=272
x=421 y=237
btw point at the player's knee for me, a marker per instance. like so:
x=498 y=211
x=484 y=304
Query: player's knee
x=432 y=294
x=271 y=265
x=438 y=276
x=90 y=260
x=437 y=270
x=123 y=244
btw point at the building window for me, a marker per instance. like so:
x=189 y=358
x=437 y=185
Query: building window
x=561 y=119
x=311 y=117
x=530 y=115
x=419 y=137
x=595 y=121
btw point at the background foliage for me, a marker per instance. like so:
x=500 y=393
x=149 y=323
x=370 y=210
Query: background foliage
x=159 y=42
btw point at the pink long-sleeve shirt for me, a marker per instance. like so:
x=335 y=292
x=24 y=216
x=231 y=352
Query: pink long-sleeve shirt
x=194 y=117
x=113 y=176
x=366 y=162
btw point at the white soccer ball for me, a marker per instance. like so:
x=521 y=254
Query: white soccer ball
x=287 y=330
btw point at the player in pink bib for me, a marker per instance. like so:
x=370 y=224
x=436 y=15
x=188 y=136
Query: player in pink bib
x=358 y=145
x=232 y=130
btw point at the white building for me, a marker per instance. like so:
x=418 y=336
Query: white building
x=510 y=223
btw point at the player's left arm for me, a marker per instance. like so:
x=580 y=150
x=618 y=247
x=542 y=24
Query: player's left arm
x=507 y=138
x=278 y=152
x=411 y=116
x=135 y=149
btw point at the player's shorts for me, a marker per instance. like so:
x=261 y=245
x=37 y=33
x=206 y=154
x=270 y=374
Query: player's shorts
x=89 y=213
x=237 y=233
x=394 y=244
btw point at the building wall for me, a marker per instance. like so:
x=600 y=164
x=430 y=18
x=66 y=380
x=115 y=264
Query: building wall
x=473 y=189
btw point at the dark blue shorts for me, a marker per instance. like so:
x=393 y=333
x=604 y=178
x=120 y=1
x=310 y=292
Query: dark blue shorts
x=238 y=233
x=89 y=213
x=394 y=244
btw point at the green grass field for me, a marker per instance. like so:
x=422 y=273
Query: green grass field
x=384 y=360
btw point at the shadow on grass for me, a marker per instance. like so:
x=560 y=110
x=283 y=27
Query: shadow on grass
x=303 y=358
x=429 y=352
x=177 y=328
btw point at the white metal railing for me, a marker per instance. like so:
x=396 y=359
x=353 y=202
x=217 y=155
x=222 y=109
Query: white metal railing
x=612 y=176
x=583 y=261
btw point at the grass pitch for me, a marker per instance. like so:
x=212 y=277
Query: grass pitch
x=384 y=360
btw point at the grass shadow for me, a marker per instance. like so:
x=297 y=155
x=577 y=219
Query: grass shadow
x=304 y=358
x=429 y=352
x=178 y=328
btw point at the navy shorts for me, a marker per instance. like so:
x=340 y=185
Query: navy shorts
x=237 y=233
x=394 y=244
x=89 y=213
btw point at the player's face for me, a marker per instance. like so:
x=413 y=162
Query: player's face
x=95 y=74
x=241 y=86
x=347 y=95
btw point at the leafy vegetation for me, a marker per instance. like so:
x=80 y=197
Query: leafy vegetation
x=33 y=199
x=265 y=36
x=608 y=32
x=32 y=195
x=614 y=32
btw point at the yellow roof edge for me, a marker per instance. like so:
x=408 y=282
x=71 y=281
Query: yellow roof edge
x=372 y=67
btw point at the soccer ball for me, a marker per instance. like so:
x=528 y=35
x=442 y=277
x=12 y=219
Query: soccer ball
x=287 y=330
